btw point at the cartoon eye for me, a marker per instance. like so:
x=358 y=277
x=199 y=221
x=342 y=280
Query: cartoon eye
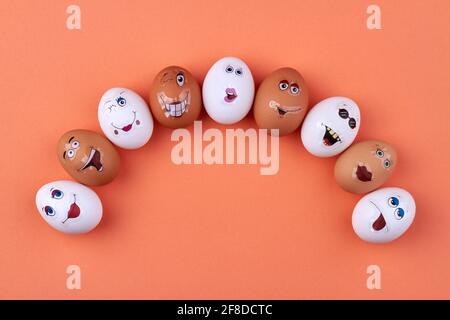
x=49 y=211
x=393 y=202
x=380 y=153
x=239 y=72
x=121 y=101
x=75 y=144
x=283 y=85
x=57 y=194
x=295 y=89
x=229 y=69
x=180 y=79
x=343 y=113
x=386 y=163
x=352 y=123
x=71 y=153
x=399 y=213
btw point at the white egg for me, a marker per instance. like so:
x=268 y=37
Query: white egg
x=69 y=207
x=228 y=90
x=330 y=126
x=383 y=215
x=125 y=118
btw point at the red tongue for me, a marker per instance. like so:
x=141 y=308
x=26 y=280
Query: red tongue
x=127 y=128
x=326 y=142
x=74 y=211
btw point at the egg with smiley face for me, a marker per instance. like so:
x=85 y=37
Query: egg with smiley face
x=383 y=215
x=88 y=157
x=228 y=90
x=365 y=166
x=281 y=101
x=175 y=97
x=330 y=126
x=125 y=118
x=69 y=207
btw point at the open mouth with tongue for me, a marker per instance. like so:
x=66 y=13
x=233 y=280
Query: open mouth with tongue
x=127 y=127
x=74 y=210
x=330 y=137
x=379 y=223
x=175 y=107
x=230 y=95
x=94 y=160
x=282 y=110
x=363 y=173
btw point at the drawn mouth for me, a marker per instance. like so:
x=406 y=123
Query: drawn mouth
x=74 y=210
x=129 y=126
x=282 y=111
x=330 y=137
x=363 y=173
x=174 y=108
x=93 y=161
x=231 y=95
x=380 y=223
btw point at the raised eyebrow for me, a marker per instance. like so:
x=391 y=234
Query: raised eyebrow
x=71 y=138
x=122 y=93
x=107 y=101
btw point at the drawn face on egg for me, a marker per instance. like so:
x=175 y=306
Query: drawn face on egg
x=228 y=90
x=383 y=215
x=331 y=126
x=125 y=118
x=175 y=97
x=365 y=166
x=281 y=101
x=69 y=207
x=88 y=157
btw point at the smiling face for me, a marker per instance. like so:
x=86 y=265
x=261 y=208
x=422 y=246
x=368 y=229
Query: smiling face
x=69 y=207
x=331 y=126
x=365 y=166
x=175 y=97
x=88 y=157
x=383 y=215
x=124 y=118
x=281 y=101
x=228 y=90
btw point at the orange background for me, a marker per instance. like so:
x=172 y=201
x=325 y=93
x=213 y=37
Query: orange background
x=224 y=231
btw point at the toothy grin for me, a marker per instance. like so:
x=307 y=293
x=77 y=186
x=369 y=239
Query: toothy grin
x=127 y=127
x=174 y=107
x=380 y=223
x=282 y=111
x=231 y=95
x=330 y=137
x=93 y=161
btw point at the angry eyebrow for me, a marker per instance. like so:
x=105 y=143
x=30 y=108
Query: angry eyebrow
x=71 y=139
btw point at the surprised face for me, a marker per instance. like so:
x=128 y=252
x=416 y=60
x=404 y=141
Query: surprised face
x=69 y=207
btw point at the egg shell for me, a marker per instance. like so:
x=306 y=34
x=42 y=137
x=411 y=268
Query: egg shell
x=175 y=97
x=365 y=166
x=228 y=90
x=125 y=118
x=383 y=215
x=69 y=207
x=281 y=101
x=88 y=157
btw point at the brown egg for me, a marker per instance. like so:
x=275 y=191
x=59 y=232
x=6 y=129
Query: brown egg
x=175 y=97
x=281 y=101
x=88 y=157
x=365 y=166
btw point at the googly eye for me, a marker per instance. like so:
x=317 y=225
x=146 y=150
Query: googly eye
x=75 y=144
x=343 y=113
x=49 y=211
x=352 y=123
x=121 y=101
x=380 y=153
x=387 y=163
x=229 y=69
x=399 y=213
x=57 y=194
x=70 y=153
x=283 y=85
x=295 y=89
x=180 y=79
x=238 y=72
x=393 y=202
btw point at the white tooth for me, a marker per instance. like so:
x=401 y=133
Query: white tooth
x=332 y=132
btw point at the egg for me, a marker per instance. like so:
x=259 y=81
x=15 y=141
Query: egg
x=125 y=118
x=383 y=215
x=281 y=101
x=330 y=126
x=175 y=97
x=365 y=166
x=69 y=207
x=88 y=157
x=228 y=90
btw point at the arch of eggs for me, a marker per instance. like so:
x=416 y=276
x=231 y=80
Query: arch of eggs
x=228 y=93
